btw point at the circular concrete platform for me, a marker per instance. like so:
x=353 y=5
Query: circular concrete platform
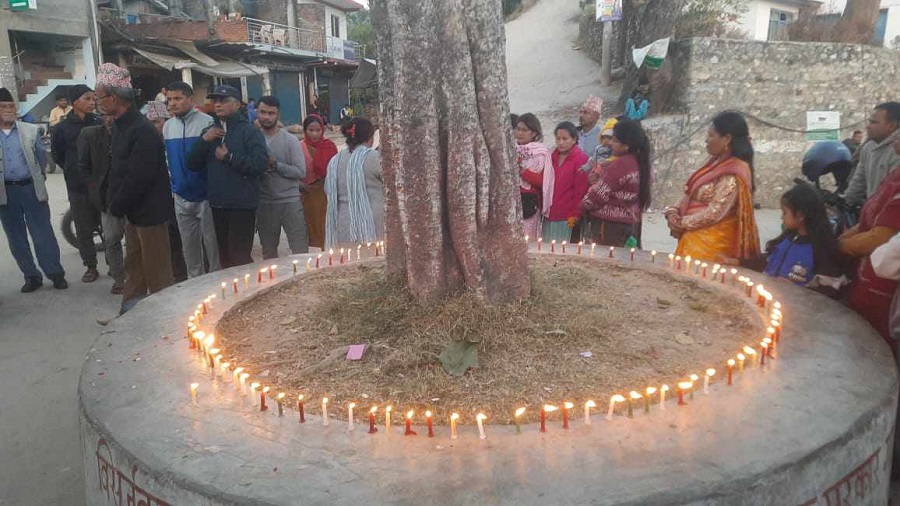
x=814 y=426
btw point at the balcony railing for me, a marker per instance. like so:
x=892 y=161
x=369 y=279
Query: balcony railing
x=266 y=32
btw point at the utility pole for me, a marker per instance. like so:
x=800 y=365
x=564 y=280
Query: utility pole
x=210 y=19
x=606 y=54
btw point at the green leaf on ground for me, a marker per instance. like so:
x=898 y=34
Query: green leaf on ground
x=458 y=357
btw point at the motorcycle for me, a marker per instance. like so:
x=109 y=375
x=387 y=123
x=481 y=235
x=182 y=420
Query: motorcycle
x=831 y=157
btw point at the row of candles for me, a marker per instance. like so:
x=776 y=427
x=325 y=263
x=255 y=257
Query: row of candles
x=214 y=360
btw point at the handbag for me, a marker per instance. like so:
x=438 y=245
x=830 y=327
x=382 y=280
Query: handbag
x=529 y=205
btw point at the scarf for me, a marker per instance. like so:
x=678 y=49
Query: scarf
x=711 y=172
x=362 y=223
x=318 y=154
x=535 y=157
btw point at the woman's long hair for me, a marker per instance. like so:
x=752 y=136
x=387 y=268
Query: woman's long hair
x=733 y=123
x=805 y=200
x=632 y=134
x=533 y=124
x=357 y=131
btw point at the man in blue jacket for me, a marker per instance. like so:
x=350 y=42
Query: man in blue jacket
x=235 y=156
x=192 y=211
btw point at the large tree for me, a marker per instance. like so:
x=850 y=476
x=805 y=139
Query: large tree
x=858 y=22
x=453 y=217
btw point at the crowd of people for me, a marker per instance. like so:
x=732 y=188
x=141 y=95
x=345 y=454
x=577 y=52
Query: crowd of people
x=596 y=184
x=184 y=192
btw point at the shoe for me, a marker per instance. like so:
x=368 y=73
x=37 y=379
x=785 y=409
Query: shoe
x=90 y=275
x=32 y=284
x=59 y=282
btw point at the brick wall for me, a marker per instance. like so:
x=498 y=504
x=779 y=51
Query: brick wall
x=229 y=31
x=273 y=10
x=312 y=17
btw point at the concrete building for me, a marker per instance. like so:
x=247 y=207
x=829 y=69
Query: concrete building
x=45 y=47
x=768 y=19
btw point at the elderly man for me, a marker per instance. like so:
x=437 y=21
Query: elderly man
x=235 y=156
x=138 y=187
x=23 y=199
x=877 y=156
x=589 y=125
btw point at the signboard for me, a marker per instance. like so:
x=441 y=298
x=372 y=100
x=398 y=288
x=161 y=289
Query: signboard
x=823 y=126
x=609 y=10
x=652 y=55
x=20 y=5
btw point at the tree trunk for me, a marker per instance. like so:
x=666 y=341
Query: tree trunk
x=858 y=22
x=646 y=21
x=453 y=217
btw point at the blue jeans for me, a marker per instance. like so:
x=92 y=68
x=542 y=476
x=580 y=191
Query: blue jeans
x=24 y=214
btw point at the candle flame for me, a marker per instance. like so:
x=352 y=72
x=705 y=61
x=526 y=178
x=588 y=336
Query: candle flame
x=342 y=251
x=769 y=296
x=767 y=340
x=235 y=280
x=265 y=390
x=324 y=400
x=352 y=405
x=389 y=408
x=548 y=408
x=733 y=272
x=777 y=305
x=481 y=417
x=717 y=267
x=770 y=330
x=224 y=284
x=280 y=396
x=553 y=241
x=526 y=237
x=454 y=416
x=295 y=262
x=687 y=259
x=254 y=386
x=319 y=255
x=694 y=377
x=671 y=256
x=581 y=243
x=308 y=261
x=634 y=395
x=300 y=397
x=199 y=334
x=264 y=269
x=331 y=251
x=710 y=372
x=632 y=250
x=617 y=398
x=651 y=390
x=214 y=352
x=564 y=243
x=697 y=263
x=246 y=276
x=759 y=289
x=764 y=344
x=590 y=404
x=239 y=370
x=749 y=351
x=731 y=361
x=664 y=388
x=428 y=414
x=194 y=386
x=244 y=375
x=373 y=410
x=685 y=385
x=568 y=405
x=226 y=366
x=519 y=412
x=678 y=257
x=410 y=413
x=775 y=324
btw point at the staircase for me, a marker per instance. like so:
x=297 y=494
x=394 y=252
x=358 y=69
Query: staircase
x=42 y=75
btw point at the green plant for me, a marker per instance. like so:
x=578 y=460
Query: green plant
x=709 y=18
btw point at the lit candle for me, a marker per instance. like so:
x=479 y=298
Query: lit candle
x=480 y=419
x=246 y=281
x=234 y=376
x=687 y=264
x=662 y=396
x=632 y=396
x=677 y=263
x=308 y=262
x=259 y=275
x=409 y=431
x=750 y=288
x=553 y=246
x=682 y=386
x=331 y=256
x=770 y=346
x=694 y=379
x=565 y=413
x=224 y=285
x=612 y=252
x=387 y=419
x=526 y=238
x=653 y=257
x=612 y=405
x=580 y=246
x=224 y=368
x=772 y=335
x=632 y=254
x=671 y=260
x=740 y=359
x=429 y=423
x=709 y=374
x=377 y=244
x=733 y=276
x=197 y=339
x=587 y=411
x=350 y=415
x=194 y=387
x=253 y=387
x=342 y=257
x=768 y=299
x=318 y=260
x=372 y=428
x=300 y=408
x=763 y=351
x=697 y=264
x=234 y=285
x=730 y=371
x=453 y=418
x=776 y=326
x=703 y=266
x=518 y=416
x=325 y=411
x=280 y=400
x=294 y=266
x=760 y=296
x=358 y=252
x=650 y=392
x=544 y=410
x=593 y=245
x=272 y=271
x=243 y=379
x=751 y=354
x=539 y=241
x=217 y=364
x=202 y=306
x=262 y=399
x=564 y=247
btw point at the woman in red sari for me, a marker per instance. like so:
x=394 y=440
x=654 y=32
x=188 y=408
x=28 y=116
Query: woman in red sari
x=879 y=221
x=715 y=218
x=318 y=151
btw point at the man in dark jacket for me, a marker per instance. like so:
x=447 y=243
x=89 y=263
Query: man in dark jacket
x=235 y=156
x=138 y=187
x=64 y=149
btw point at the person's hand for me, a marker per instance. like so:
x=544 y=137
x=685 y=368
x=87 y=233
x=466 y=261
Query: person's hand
x=593 y=177
x=726 y=260
x=273 y=163
x=213 y=133
x=849 y=233
x=221 y=152
x=573 y=221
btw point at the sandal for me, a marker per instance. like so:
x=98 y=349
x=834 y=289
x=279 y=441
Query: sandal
x=90 y=276
x=117 y=289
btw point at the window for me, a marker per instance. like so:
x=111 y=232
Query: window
x=778 y=22
x=335 y=26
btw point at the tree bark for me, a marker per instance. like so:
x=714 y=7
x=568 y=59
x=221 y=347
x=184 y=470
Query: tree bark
x=453 y=217
x=859 y=20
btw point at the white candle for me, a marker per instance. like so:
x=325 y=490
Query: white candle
x=387 y=419
x=587 y=411
x=358 y=250
x=453 y=418
x=480 y=419
x=593 y=245
x=253 y=387
x=246 y=281
x=308 y=262
x=612 y=405
x=225 y=366
x=224 y=284
x=325 y=411
x=217 y=364
x=709 y=374
x=243 y=378
x=234 y=376
x=671 y=260
x=662 y=397
x=194 y=387
x=350 y=415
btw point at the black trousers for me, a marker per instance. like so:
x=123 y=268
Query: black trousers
x=235 y=229
x=87 y=220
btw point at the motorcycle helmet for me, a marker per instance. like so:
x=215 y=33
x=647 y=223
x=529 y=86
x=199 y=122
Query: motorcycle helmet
x=822 y=157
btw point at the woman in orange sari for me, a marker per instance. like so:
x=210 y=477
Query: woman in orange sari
x=715 y=218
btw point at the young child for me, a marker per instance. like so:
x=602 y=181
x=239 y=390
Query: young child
x=807 y=246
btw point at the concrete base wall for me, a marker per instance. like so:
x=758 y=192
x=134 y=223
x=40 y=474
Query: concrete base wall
x=812 y=426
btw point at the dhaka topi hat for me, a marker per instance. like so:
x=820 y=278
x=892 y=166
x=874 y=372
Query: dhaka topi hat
x=592 y=104
x=113 y=76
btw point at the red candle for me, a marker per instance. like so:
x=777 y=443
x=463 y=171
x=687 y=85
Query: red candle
x=682 y=386
x=262 y=399
x=259 y=276
x=632 y=254
x=430 y=425
x=553 y=246
x=704 y=271
x=342 y=257
x=565 y=413
x=234 y=285
x=539 y=241
x=763 y=351
x=580 y=244
x=376 y=248
x=612 y=252
x=272 y=271
x=723 y=276
x=564 y=247
x=330 y=257
x=409 y=431
x=318 y=258
x=300 y=409
x=730 y=371
x=372 y=428
x=204 y=310
x=776 y=326
x=543 y=419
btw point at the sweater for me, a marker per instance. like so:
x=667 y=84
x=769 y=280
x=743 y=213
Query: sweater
x=64 y=148
x=232 y=183
x=614 y=197
x=569 y=186
x=876 y=160
x=180 y=135
x=281 y=182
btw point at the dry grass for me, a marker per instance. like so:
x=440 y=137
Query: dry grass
x=529 y=353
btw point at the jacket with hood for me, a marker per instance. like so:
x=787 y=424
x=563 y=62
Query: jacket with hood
x=180 y=135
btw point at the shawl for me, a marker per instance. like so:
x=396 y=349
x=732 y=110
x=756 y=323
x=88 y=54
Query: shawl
x=318 y=154
x=535 y=157
x=362 y=222
x=711 y=172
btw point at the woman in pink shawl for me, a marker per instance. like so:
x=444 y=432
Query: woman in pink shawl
x=535 y=171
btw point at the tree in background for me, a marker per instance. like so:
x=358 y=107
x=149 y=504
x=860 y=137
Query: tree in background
x=453 y=212
x=711 y=18
x=857 y=24
x=359 y=30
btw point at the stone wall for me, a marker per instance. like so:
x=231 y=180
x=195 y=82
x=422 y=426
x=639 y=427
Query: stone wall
x=773 y=82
